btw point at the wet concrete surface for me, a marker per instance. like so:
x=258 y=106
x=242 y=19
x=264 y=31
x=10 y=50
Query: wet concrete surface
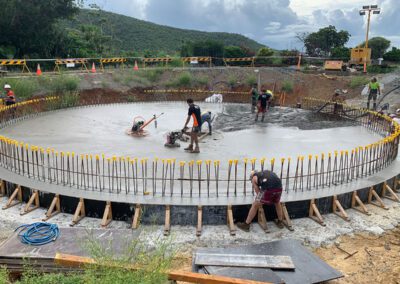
x=101 y=129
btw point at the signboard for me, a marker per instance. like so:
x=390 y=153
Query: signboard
x=194 y=60
x=70 y=65
x=333 y=65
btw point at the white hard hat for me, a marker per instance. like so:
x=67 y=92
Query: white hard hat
x=398 y=111
x=7 y=86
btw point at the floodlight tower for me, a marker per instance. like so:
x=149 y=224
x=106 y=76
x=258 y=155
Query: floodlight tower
x=371 y=8
x=375 y=10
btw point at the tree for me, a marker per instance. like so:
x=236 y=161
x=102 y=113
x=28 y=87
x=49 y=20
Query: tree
x=378 y=46
x=393 y=55
x=234 y=52
x=29 y=25
x=341 y=53
x=291 y=56
x=322 y=42
x=265 y=52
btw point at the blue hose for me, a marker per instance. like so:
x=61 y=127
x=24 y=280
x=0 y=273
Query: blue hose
x=38 y=234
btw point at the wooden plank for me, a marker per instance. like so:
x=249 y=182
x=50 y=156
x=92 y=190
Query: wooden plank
x=286 y=219
x=387 y=192
x=372 y=193
x=80 y=212
x=338 y=209
x=2 y=188
x=245 y=260
x=192 y=277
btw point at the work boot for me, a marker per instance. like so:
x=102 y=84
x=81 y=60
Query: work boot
x=189 y=148
x=243 y=226
x=262 y=118
x=256 y=118
x=279 y=224
x=196 y=150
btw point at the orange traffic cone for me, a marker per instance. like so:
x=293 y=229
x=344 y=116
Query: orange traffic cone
x=38 y=70
x=93 y=68
x=136 y=66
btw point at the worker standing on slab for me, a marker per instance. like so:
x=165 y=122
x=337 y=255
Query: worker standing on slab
x=194 y=113
x=262 y=105
x=10 y=96
x=268 y=188
x=374 y=90
x=254 y=98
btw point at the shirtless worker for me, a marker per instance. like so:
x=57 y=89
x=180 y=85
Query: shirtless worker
x=268 y=188
x=263 y=100
x=194 y=113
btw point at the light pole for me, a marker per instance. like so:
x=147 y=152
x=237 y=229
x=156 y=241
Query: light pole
x=368 y=9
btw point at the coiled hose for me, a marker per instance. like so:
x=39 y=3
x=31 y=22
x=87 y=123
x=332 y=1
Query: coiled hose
x=38 y=233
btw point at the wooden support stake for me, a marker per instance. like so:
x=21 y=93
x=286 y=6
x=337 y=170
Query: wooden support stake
x=2 y=188
x=199 y=220
x=107 y=216
x=136 y=216
x=33 y=199
x=314 y=213
x=395 y=184
x=231 y=225
x=378 y=202
x=262 y=220
x=360 y=205
x=286 y=219
x=167 y=225
x=79 y=212
x=55 y=204
x=338 y=209
x=388 y=192
x=15 y=198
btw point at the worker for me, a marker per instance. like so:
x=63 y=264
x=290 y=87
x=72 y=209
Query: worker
x=262 y=105
x=254 y=98
x=206 y=117
x=374 y=90
x=338 y=100
x=268 y=188
x=195 y=114
x=10 y=96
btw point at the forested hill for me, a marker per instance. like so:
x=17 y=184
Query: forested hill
x=130 y=34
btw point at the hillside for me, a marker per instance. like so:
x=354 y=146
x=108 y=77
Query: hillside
x=130 y=34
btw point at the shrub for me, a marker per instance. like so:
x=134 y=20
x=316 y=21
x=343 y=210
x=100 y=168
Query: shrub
x=358 y=81
x=287 y=86
x=201 y=80
x=232 y=80
x=380 y=69
x=184 y=80
x=64 y=83
x=251 y=80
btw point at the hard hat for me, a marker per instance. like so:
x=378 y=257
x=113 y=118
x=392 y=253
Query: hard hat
x=338 y=91
x=7 y=86
x=398 y=111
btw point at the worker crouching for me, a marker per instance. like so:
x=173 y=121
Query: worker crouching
x=268 y=188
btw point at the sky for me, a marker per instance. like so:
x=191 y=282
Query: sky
x=274 y=23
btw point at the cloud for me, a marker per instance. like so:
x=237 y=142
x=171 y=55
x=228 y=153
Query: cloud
x=273 y=22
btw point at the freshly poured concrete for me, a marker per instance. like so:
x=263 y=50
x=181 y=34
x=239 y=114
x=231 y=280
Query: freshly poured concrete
x=101 y=129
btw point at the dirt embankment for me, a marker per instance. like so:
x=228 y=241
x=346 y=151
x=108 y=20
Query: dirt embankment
x=224 y=79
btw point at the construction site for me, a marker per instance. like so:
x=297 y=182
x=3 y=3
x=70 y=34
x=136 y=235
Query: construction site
x=133 y=169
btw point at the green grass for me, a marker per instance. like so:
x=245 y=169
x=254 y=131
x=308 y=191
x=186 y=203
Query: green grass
x=358 y=81
x=232 y=80
x=154 y=260
x=201 y=81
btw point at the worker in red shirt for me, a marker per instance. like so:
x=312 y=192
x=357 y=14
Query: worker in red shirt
x=10 y=99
